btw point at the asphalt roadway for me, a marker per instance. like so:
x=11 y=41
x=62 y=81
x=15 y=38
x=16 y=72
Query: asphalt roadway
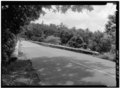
x=63 y=67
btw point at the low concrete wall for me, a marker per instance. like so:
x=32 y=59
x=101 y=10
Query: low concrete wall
x=67 y=48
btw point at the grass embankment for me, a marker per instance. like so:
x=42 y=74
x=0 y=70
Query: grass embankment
x=20 y=73
x=108 y=56
x=79 y=50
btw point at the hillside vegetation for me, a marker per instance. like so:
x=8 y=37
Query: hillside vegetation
x=102 y=42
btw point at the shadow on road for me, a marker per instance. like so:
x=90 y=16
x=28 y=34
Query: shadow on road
x=61 y=71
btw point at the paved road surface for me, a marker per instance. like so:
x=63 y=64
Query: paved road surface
x=62 y=67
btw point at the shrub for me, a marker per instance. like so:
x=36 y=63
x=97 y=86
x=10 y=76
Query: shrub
x=8 y=45
x=53 y=40
x=75 y=41
x=108 y=56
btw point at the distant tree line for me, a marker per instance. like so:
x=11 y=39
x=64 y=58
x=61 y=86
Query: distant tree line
x=78 y=38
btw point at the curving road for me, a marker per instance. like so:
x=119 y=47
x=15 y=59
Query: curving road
x=62 y=67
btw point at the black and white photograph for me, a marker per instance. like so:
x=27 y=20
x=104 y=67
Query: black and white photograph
x=64 y=43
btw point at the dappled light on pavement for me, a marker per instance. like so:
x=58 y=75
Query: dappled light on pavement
x=62 y=67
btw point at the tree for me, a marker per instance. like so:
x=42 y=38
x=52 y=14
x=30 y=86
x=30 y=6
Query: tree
x=75 y=41
x=111 y=31
x=105 y=43
x=94 y=42
x=86 y=35
x=13 y=17
x=64 y=33
x=111 y=25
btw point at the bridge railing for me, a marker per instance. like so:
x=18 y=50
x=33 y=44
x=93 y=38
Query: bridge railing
x=80 y=50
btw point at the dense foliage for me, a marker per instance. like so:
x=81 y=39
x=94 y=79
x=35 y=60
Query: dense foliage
x=13 y=17
x=111 y=31
x=78 y=38
x=75 y=41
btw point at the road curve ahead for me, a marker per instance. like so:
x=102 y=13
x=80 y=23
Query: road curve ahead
x=62 y=67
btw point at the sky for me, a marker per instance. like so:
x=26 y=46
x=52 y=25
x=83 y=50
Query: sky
x=94 y=20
